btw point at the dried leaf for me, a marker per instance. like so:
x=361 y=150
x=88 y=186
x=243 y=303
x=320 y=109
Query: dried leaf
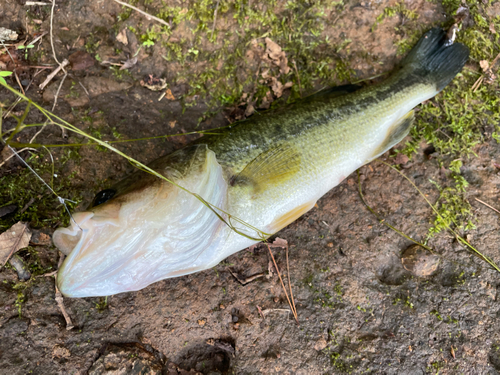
x=401 y=159
x=277 y=56
x=280 y=242
x=81 y=60
x=154 y=83
x=273 y=49
x=249 y=111
x=122 y=37
x=278 y=87
x=492 y=28
x=15 y=238
x=484 y=65
x=169 y=95
x=129 y=63
x=266 y=101
x=7 y=34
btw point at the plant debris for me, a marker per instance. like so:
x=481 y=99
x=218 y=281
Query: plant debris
x=15 y=238
x=6 y=34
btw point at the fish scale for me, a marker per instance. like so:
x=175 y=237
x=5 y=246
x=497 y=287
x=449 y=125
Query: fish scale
x=266 y=171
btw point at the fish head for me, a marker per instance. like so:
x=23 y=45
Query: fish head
x=97 y=244
x=148 y=231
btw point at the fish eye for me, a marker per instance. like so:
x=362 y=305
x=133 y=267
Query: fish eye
x=103 y=196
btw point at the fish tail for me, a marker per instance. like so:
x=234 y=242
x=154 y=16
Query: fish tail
x=436 y=58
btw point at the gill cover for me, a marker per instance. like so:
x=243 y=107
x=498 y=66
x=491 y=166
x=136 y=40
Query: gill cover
x=141 y=237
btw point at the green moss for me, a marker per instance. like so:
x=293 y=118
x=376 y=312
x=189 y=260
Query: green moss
x=225 y=73
x=92 y=44
x=399 y=9
x=460 y=118
x=39 y=207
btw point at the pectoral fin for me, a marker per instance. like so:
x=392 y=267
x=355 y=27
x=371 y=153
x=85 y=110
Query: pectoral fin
x=270 y=168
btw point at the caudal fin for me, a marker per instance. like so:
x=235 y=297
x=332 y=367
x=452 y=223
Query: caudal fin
x=437 y=58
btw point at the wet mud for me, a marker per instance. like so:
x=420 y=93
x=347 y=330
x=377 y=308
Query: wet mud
x=365 y=303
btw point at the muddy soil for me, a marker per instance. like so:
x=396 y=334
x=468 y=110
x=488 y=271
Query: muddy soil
x=360 y=309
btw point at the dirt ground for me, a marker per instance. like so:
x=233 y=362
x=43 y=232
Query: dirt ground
x=359 y=309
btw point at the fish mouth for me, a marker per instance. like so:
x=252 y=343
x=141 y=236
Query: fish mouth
x=76 y=242
x=66 y=239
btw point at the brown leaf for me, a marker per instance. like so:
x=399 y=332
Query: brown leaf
x=401 y=159
x=81 y=60
x=277 y=87
x=273 y=49
x=492 y=28
x=15 y=238
x=280 y=242
x=484 y=65
x=169 y=95
x=122 y=37
x=250 y=110
x=277 y=56
x=129 y=63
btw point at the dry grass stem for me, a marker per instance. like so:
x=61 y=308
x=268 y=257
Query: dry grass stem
x=246 y=280
x=11 y=156
x=292 y=305
x=31 y=3
x=215 y=17
x=487 y=205
x=148 y=16
x=260 y=311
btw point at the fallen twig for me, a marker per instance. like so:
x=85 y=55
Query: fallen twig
x=31 y=3
x=53 y=74
x=265 y=312
x=248 y=279
x=11 y=156
x=298 y=77
x=51 y=36
x=148 y=16
x=59 y=297
x=215 y=17
x=487 y=205
x=260 y=311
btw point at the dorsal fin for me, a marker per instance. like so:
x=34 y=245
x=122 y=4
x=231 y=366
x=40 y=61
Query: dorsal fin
x=271 y=167
x=332 y=92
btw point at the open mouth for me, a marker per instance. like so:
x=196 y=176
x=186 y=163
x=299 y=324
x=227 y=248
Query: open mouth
x=66 y=239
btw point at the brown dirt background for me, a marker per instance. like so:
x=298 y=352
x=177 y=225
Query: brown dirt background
x=359 y=310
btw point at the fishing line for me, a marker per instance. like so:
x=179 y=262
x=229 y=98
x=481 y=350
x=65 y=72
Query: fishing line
x=60 y=199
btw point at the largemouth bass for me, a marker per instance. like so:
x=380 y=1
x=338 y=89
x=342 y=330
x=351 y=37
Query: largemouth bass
x=266 y=171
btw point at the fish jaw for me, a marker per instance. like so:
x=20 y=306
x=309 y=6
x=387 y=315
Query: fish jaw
x=127 y=244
